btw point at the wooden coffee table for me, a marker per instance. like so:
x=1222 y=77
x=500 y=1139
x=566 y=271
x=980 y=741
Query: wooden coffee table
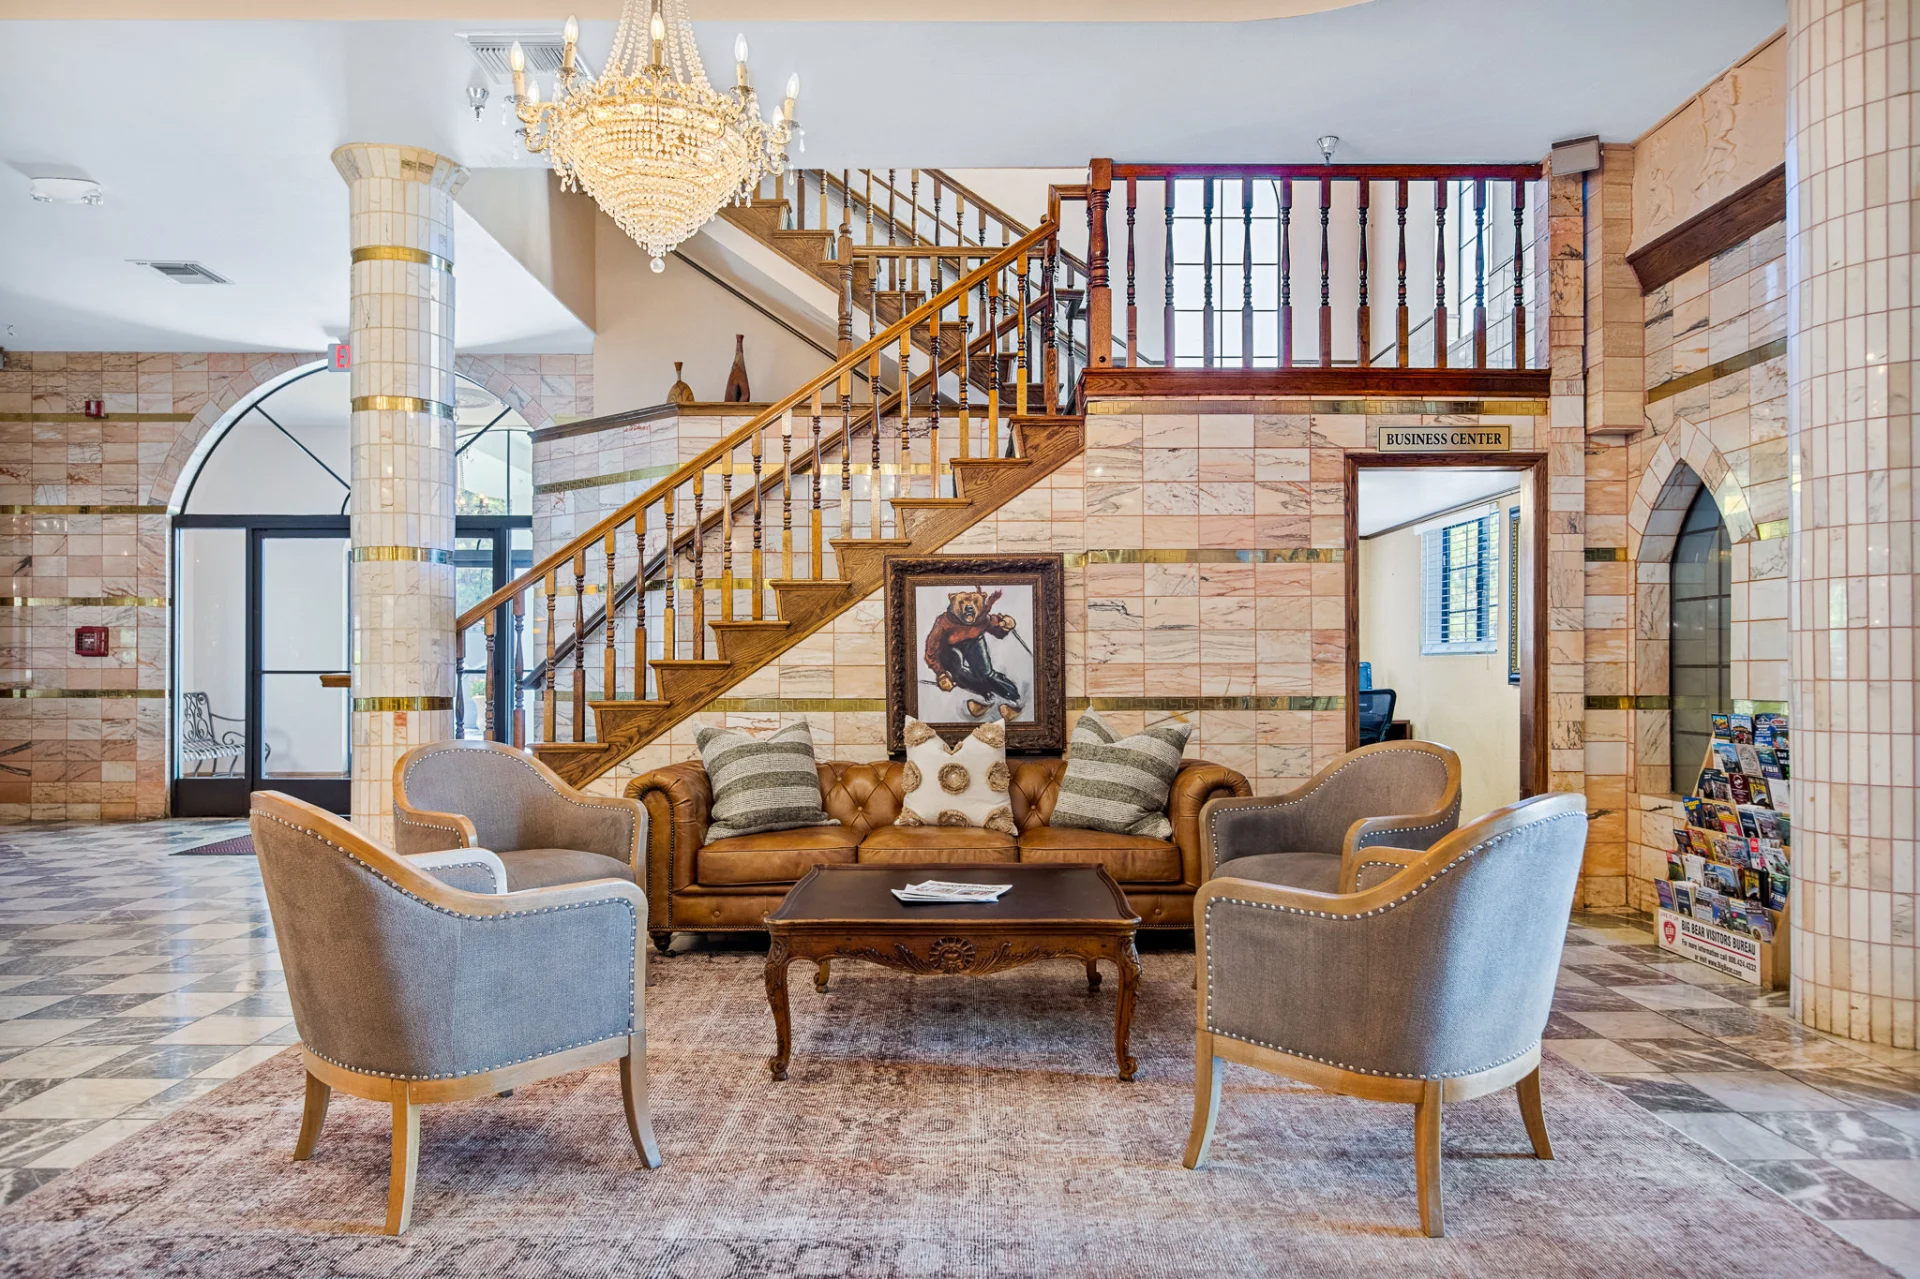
x=1053 y=911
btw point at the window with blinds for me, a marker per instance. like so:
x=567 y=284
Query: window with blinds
x=1460 y=588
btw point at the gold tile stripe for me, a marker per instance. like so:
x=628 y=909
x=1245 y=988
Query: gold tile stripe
x=83 y=692
x=110 y=417
x=1719 y=369
x=647 y=474
x=1640 y=702
x=401 y=253
x=1380 y=407
x=1206 y=703
x=389 y=554
x=1606 y=554
x=400 y=404
x=1210 y=555
x=83 y=510
x=1770 y=530
x=796 y=705
x=381 y=704
x=84 y=601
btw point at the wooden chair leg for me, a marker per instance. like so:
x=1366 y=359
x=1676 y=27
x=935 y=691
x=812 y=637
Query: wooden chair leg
x=1426 y=1159
x=1206 y=1099
x=406 y=1164
x=313 y=1118
x=1535 y=1118
x=633 y=1092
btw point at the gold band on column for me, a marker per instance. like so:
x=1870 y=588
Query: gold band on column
x=378 y=704
x=422 y=554
x=400 y=404
x=401 y=253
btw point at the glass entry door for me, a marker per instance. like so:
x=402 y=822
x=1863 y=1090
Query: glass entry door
x=302 y=697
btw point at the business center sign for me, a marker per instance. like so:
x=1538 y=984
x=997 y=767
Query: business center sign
x=1446 y=439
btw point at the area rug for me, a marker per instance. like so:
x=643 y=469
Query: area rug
x=930 y=1127
x=238 y=847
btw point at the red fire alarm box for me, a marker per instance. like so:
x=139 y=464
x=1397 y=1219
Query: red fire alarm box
x=90 y=641
x=94 y=408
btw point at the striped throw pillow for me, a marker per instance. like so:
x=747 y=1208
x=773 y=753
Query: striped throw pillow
x=1120 y=784
x=761 y=783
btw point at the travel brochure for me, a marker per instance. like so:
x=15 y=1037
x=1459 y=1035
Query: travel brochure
x=942 y=890
x=1729 y=863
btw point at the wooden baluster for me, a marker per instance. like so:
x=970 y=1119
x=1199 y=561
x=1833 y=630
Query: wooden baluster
x=966 y=337
x=780 y=192
x=1049 y=328
x=905 y=487
x=816 y=548
x=933 y=396
x=1439 y=275
x=873 y=468
x=1022 y=354
x=913 y=211
x=1326 y=290
x=1166 y=261
x=846 y=454
x=1519 y=275
x=869 y=204
x=893 y=225
x=490 y=733
x=1246 y=273
x=1400 y=326
x=580 y=646
x=669 y=618
x=726 y=536
x=1133 y=312
x=758 y=563
x=1363 y=317
x=786 y=495
x=1286 y=273
x=981 y=238
x=826 y=223
x=610 y=685
x=1479 y=273
x=699 y=566
x=1206 y=310
x=459 y=692
x=550 y=713
x=800 y=200
x=993 y=356
x=519 y=670
x=640 y=606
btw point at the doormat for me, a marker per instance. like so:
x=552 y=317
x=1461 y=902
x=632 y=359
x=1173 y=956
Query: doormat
x=240 y=847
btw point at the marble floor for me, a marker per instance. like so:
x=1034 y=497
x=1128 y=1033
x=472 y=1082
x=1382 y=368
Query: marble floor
x=133 y=981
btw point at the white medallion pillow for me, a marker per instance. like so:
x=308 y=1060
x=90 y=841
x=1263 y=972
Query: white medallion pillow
x=963 y=785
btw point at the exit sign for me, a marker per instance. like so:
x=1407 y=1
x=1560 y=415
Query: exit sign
x=339 y=357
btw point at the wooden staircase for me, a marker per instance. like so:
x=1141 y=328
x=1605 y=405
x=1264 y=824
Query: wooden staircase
x=677 y=532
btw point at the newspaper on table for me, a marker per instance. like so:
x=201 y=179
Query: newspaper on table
x=940 y=890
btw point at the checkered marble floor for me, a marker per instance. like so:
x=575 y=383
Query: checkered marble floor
x=133 y=981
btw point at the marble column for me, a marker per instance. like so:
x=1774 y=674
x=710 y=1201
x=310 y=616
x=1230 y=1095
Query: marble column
x=1850 y=209
x=402 y=457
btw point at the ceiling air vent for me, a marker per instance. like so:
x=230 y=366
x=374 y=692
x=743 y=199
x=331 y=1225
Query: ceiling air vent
x=186 y=272
x=543 y=50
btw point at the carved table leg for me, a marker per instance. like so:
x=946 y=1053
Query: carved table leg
x=778 y=956
x=820 y=976
x=1129 y=963
x=1093 y=975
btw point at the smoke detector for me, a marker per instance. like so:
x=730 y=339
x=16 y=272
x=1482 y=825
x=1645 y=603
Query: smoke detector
x=64 y=190
x=184 y=272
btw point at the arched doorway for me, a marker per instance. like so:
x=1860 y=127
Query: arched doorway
x=1700 y=633
x=262 y=615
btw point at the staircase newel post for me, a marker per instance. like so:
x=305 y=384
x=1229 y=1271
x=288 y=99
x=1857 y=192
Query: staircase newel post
x=846 y=290
x=1099 y=292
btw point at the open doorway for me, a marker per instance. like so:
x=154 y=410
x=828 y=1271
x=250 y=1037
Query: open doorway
x=1445 y=620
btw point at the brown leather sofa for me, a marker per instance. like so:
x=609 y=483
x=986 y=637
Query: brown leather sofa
x=731 y=884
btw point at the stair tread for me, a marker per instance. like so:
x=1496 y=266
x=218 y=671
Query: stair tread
x=938 y=503
x=797 y=583
x=570 y=748
x=629 y=703
x=688 y=663
x=751 y=623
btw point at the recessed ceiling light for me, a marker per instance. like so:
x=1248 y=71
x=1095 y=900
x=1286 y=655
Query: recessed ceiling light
x=65 y=190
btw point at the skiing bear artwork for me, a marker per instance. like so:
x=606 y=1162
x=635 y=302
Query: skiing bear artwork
x=977 y=663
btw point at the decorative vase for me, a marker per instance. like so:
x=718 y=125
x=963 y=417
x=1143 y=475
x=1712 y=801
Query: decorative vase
x=737 y=392
x=679 y=392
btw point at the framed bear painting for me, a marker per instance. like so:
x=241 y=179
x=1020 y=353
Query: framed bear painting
x=973 y=639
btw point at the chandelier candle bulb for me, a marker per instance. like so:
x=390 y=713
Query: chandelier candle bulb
x=570 y=37
x=740 y=63
x=517 y=59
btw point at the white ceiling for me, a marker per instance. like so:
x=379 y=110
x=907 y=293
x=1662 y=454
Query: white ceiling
x=1391 y=497
x=211 y=138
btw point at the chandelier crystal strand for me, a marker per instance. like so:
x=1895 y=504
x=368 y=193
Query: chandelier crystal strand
x=651 y=140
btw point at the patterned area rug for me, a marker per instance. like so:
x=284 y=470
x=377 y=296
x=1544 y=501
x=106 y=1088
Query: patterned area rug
x=241 y=847
x=931 y=1127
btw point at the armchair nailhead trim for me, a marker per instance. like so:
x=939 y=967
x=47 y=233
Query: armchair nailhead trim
x=1367 y=840
x=1213 y=823
x=633 y=933
x=1397 y=902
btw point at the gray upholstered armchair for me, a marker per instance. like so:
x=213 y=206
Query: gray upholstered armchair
x=1432 y=985
x=408 y=989
x=1404 y=794
x=494 y=796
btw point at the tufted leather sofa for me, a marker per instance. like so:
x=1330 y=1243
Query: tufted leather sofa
x=731 y=884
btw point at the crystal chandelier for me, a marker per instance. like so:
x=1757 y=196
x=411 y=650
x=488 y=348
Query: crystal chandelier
x=651 y=141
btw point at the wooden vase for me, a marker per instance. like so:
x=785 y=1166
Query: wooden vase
x=737 y=391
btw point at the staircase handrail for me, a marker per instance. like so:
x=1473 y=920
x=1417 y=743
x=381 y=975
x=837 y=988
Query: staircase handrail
x=879 y=343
